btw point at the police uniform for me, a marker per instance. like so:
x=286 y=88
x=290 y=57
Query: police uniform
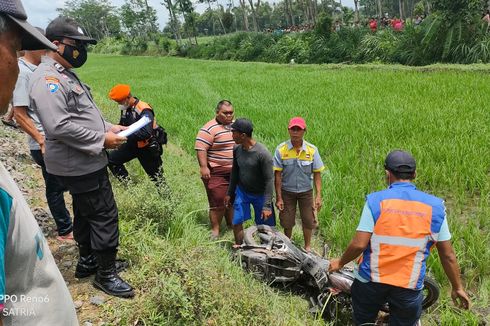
x=141 y=145
x=75 y=133
x=75 y=136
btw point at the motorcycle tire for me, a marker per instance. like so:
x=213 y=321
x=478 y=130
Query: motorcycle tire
x=251 y=232
x=431 y=292
x=264 y=231
x=248 y=236
x=338 y=310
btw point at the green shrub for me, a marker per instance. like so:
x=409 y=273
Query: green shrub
x=109 y=45
x=289 y=47
x=380 y=46
x=323 y=27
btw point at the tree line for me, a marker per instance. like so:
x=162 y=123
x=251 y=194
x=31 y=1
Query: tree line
x=137 y=19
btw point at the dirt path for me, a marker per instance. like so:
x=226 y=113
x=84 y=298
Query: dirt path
x=14 y=154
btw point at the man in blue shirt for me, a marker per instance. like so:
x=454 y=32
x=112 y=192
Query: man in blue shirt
x=398 y=227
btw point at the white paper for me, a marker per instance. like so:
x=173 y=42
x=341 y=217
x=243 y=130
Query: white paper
x=135 y=127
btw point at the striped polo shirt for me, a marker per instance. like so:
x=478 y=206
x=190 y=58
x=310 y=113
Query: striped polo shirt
x=215 y=138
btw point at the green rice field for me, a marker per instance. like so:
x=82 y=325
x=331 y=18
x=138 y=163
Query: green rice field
x=355 y=115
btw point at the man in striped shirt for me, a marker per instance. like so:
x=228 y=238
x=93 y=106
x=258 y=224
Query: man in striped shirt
x=214 y=147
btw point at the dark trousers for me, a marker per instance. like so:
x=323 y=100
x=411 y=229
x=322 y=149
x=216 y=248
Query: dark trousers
x=96 y=217
x=367 y=299
x=150 y=159
x=54 y=196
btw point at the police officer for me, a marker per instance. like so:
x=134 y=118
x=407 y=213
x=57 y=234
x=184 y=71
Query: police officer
x=27 y=267
x=76 y=138
x=143 y=144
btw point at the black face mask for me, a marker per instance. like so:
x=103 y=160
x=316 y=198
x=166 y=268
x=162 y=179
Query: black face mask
x=76 y=55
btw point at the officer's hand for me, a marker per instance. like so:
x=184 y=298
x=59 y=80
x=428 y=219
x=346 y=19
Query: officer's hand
x=460 y=298
x=227 y=201
x=266 y=213
x=205 y=173
x=112 y=140
x=334 y=265
x=280 y=204
x=117 y=128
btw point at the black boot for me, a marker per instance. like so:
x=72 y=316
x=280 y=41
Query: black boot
x=86 y=266
x=87 y=263
x=107 y=278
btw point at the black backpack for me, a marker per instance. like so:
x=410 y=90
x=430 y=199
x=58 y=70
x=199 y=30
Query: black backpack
x=161 y=135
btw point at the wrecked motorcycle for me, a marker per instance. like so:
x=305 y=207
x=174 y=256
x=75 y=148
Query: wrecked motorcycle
x=270 y=256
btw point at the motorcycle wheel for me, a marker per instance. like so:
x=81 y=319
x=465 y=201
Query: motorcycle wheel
x=431 y=292
x=249 y=236
x=338 y=309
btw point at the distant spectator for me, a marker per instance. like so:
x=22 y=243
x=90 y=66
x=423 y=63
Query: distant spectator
x=486 y=17
x=397 y=24
x=337 y=26
x=418 y=20
x=373 y=25
x=385 y=22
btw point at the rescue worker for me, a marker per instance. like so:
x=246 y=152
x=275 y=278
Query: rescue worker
x=398 y=227
x=29 y=122
x=27 y=268
x=251 y=182
x=143 y=144
x=214 y=149
x=76 y=138
x=296 y=164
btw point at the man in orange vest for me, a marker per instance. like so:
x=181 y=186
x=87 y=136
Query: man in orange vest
x=143 y=144
x=398 y=227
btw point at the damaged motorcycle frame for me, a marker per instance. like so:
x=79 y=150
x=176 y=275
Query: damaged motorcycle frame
x=271 y=257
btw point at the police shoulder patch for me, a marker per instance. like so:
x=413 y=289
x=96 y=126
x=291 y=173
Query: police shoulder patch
x=53 y=84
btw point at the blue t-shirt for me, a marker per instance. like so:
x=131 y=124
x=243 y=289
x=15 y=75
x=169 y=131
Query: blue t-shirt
x=5 y=207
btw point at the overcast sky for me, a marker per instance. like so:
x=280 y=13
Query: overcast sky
x=41 y=12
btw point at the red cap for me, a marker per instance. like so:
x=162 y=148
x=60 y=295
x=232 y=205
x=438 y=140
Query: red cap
x=297 y=122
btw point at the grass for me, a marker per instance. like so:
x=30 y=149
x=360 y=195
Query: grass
x=355 y=115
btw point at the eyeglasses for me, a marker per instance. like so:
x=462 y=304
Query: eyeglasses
x=228 y=113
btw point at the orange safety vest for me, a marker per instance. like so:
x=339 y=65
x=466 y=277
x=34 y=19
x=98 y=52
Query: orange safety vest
x=139 y=108
x=407 y=223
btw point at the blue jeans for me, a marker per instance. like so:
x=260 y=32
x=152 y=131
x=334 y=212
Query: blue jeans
x=54 y=196
x=367 y=299
x=242 y=212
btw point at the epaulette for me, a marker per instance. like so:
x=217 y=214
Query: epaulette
x=59 y=67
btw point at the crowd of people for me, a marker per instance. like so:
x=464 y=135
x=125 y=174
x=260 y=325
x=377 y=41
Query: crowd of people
x=394 y=23
x=290 y=29
x=69 y=139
